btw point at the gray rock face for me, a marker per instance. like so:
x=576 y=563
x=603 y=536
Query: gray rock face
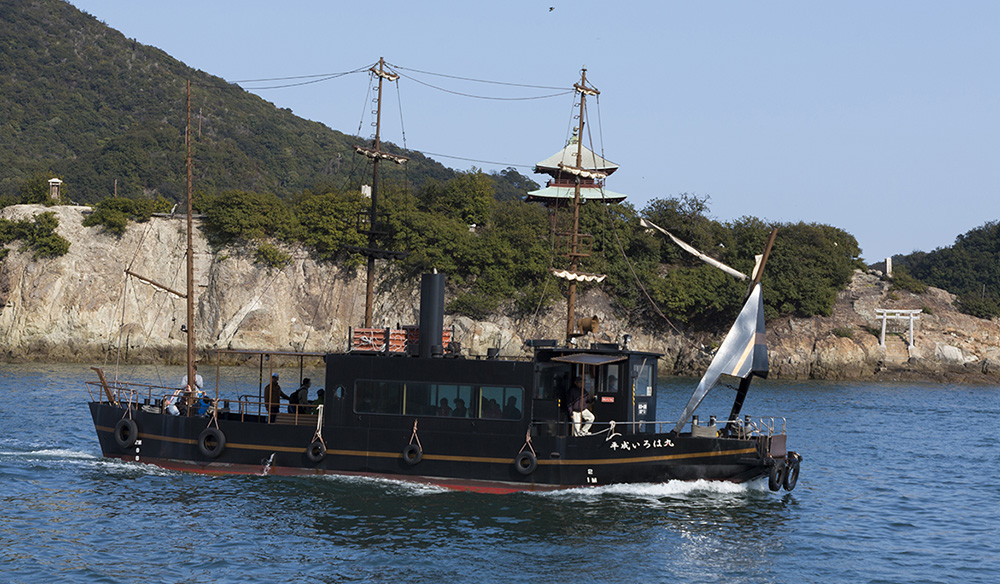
x=82 y=307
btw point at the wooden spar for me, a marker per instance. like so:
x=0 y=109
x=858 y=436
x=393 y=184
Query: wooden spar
x=155 y=283
x=759 y=269
x=190 y=262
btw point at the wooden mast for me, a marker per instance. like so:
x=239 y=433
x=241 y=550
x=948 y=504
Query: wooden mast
x=575 y=254
x=376 y=155
x=190 y=261
x=370 y=283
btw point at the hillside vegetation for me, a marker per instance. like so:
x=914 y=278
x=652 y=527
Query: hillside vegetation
x=969 y=269
x=106 y=114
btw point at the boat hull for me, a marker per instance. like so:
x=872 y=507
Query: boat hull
x=470 y=457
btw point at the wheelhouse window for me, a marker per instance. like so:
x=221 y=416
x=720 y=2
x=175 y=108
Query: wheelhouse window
x=643 y=374
x=438 y=399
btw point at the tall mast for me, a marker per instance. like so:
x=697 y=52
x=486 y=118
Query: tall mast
x=376 y=155
x=575 y=254
x=190 y=258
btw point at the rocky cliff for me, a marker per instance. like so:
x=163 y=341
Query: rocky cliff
x=82 y=307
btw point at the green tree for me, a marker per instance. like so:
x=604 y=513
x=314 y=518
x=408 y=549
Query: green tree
x=240 y=217
x=114 y=213
x=38 y=235
x=329 y=221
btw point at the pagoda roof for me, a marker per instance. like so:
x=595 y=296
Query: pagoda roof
x=553 y=194
x=567 y=157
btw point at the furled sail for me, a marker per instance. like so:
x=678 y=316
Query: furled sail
x=691 y=250
x=743 y=353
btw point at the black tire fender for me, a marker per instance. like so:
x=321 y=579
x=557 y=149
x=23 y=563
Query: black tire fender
x=791 y=476
x=211 y=442
x=412 y=454
x=126 y=433
x=525 y=462
x=316 y=451
x=776 y=476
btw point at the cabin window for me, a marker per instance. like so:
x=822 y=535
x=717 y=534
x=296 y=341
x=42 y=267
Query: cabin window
x=553 y=380
x=611 y=378
x=378 y=397
x=438 y=399
x=642 y=374
x=501 y=402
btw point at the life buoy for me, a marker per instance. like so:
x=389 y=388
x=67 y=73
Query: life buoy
x=316 y=451
x=791 y=476
x=412 y=454
x=525 y=462
x=126 y=432
x=776 y=476
x=211 y=442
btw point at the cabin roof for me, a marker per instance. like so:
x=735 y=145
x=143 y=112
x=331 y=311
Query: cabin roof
x=590 y=358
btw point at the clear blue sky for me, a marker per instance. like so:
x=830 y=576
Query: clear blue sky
x=881 y=118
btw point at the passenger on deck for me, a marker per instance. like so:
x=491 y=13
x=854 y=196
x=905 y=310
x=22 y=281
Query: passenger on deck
x=320 y=400
x=299 y=396
x=510 y=410
x=199 y=383
x=273 y=396
x=444 y=409
x=612 y=383
x=460 y=410
x=579 y=399
x=170 y=402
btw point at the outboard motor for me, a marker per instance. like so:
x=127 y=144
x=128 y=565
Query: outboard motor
x=431 y=315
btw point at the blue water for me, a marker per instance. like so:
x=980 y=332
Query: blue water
x=900 y=483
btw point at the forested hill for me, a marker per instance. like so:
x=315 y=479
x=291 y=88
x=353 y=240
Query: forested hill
x=84 y=103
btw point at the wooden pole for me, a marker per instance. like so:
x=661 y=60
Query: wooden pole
x=370 y=279
x=575 y=235
x=190 y=261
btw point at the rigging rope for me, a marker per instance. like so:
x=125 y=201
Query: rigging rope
x=487 y=97
x=480 y=80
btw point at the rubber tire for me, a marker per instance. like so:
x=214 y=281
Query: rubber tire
x=525 y=462
x=215 y=435
x=776 y=476
x=316 y=451
x=126 y=433
x=412 y=454
x=791 y=476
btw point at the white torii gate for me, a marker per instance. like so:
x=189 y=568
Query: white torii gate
x=886 y=314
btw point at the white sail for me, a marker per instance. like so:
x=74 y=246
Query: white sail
x=743 y=352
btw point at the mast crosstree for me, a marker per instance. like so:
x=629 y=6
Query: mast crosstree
x=373 y=252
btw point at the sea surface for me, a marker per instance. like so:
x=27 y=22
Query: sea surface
x=899 y=483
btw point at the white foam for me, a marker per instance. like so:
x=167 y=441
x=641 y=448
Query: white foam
x=410 y=487
x=131 y=468
x=669 y=489
x=60 y=453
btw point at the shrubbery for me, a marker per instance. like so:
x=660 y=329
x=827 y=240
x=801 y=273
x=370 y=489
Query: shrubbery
x=115 y=213
x=38 y=235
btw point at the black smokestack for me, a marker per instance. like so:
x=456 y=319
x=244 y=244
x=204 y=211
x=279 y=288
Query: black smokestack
x=431 y=313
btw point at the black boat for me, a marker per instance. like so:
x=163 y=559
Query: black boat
x=408 y=404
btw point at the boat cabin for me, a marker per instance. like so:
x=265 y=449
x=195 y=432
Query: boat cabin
x=375 y=390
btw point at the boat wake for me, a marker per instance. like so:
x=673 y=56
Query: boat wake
x=390 y=485
x=659 y=491
x=49 y=453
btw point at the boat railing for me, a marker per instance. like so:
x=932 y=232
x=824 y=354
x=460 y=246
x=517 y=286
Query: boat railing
x=293 y=414
x=128 y=392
